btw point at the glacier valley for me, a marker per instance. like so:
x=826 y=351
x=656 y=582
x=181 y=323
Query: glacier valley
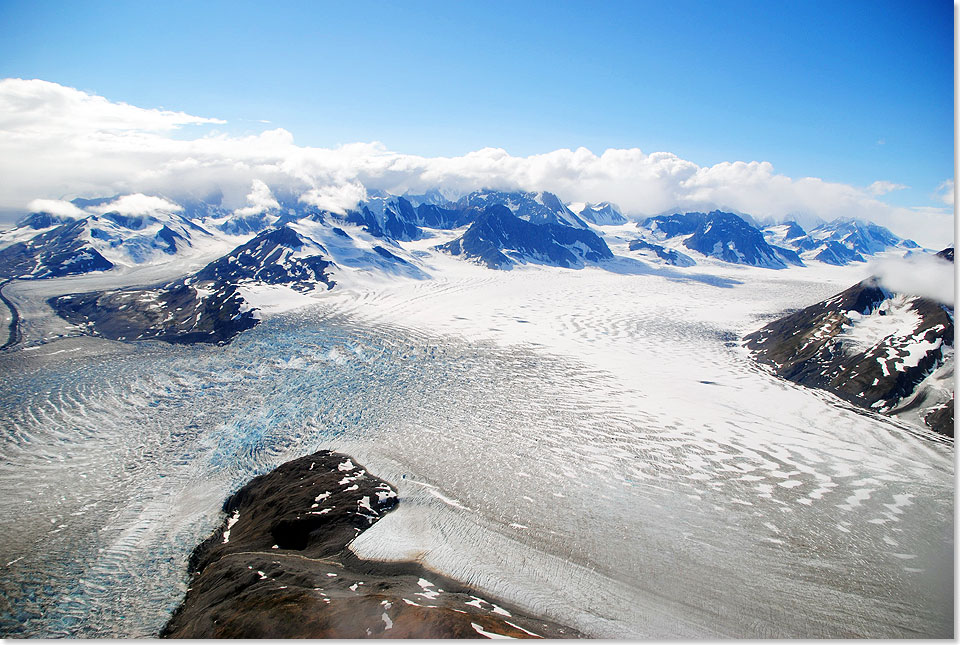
x=595 y=445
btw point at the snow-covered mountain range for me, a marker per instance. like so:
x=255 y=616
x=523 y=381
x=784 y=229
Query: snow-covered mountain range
x=838 y=242
x=288 y=246
x=123 y=231
x=724 y=236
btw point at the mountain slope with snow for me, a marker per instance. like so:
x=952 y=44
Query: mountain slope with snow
x=536 y=208
x=725 y=236
x=602 y=214
x=870 y=347
x=838 y=242
x=212 y=305
x=668 y=256
x=500 y=240
x=60 y=246
x=64 y=250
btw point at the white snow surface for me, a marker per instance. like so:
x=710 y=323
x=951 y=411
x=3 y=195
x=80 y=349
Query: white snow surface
x=696 y=445
x=670 y=487
x=897 y=320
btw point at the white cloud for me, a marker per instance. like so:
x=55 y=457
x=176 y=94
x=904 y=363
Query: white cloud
x=883 y=187
x=336 y=199
x=136 y=204
x=918 y=275
x=259 y=200
x=56 y=141
x=944 y=192
x=55 y=207
x=45 y=108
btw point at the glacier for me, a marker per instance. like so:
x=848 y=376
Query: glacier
x=594 y=445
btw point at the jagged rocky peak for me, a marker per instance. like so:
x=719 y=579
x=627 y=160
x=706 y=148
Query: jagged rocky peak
x=793 y=230
x=602 y=214
x=387 y=216
x=536 y=208
x=208 y=306
x=275 y=256
x=846 y=240
x=432 y=197
x=783 y=233
x=880 y=350
x=499 y=239
x=725 y=236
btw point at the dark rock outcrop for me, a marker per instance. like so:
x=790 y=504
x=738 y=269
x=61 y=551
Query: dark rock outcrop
x=670 y=256
x=819 y=347
x=206 y=307
x=176 y=313
x=279 y=567
x=499 y=239
x=58 y=252
x=725 y=236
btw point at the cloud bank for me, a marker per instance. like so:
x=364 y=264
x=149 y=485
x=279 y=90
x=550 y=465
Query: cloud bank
x=136 y=204
x=259 y=200
x=883 y=187
x=57 y=142
x=945 y=192
x=917 y=275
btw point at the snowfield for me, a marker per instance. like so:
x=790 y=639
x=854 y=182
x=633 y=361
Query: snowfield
x=594 y=445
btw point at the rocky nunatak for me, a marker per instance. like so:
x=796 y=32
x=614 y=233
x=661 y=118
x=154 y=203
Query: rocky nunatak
x=279 y=567
x=906 y=366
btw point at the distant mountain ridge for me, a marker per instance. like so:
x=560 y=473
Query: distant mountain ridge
x=101 y=237
x=839 y=242
x=55 y=246
x=602 y=214
x=724 y=236
x=284 y=241
x=499 y=239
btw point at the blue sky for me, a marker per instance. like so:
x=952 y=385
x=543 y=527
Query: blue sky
x=852 y=92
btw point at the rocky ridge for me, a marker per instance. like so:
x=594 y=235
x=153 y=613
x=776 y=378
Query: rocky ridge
x=279 y=567
x=888 y=352
x=207 y=306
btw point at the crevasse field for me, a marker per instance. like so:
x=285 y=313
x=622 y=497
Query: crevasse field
x=591 y=445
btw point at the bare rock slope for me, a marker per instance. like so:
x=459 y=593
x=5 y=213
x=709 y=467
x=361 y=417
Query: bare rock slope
x=889 y=352
x=279 y=568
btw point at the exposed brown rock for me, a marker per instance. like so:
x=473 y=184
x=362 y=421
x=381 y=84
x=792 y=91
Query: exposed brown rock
x=278 y=568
